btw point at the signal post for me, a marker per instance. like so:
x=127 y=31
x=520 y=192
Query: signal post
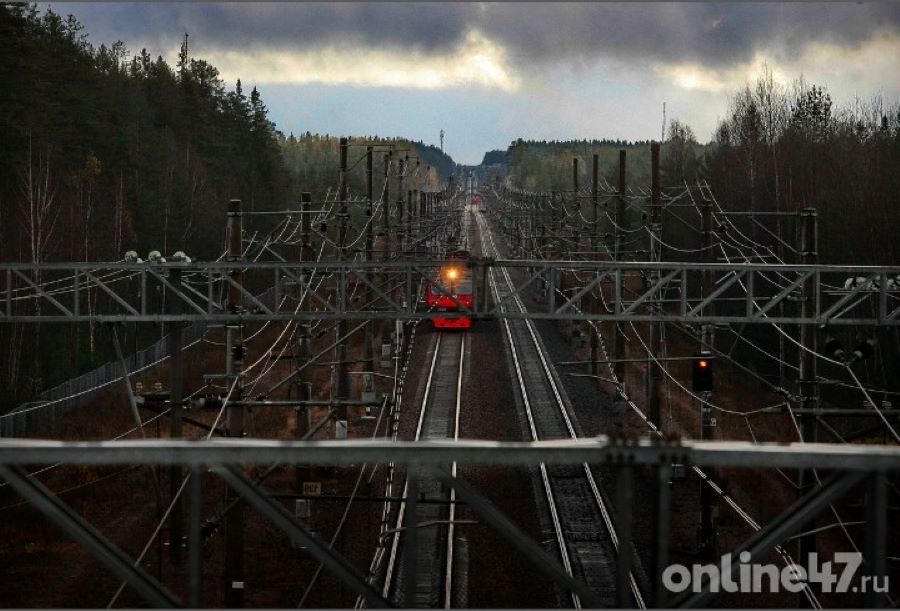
x=234 y=347
x=303 y=348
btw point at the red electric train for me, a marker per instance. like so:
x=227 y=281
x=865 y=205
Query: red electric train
x=454 y=284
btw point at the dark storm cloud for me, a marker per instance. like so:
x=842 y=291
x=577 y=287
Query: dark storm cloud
x=710 y=33
x=714 y=34
x=430 y=26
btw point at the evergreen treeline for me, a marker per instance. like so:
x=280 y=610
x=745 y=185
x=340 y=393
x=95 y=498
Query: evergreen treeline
x=101 y=155
x=105 y=152
x=789 y=148
x=779 y=148
x=547 y=166
x=313 y=163
x=496 y=157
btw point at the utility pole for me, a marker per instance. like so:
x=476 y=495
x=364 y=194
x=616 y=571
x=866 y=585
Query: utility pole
x=556 y=276
x=386 y=204
x=708 y=257
x=593 y=301
x=556 y=223
x=653 y=372
x=566 y=278
x=560 y=223
x=176 y=385
x=414 y=217
x=369 y=203
x=542 y=240
x=595 y=203
x=401 y=168
x=410 y=212
x=533 y=204
x=576 y=235
x=369 y=344
x=342 y=383
x=655 y=257
x=423 y=211
x=707 y=423
x=304 y=348
x=807 y=385
x=782 y=344
x=619 y=348
x=234 y=521
x=387 y=327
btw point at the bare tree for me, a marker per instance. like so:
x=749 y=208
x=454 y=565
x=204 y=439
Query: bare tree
x=680 y=161
x=747 y=134
x=38 y=213
x=36 y=206
x=774 y=110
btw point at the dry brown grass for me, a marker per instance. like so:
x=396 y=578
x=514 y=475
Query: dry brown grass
x=41 y=567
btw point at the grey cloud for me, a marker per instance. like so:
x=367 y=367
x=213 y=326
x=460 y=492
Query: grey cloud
x=715 y=34
x=534 y=33
x=429 y=26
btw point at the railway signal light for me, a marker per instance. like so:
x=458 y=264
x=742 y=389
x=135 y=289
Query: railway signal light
x=864 y=350
x=237 y=352
x=702 y=373
x=834 y=349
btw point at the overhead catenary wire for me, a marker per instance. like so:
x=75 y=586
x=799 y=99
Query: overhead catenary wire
x=739 y=246
x=656 y=430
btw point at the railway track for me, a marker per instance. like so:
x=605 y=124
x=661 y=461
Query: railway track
x=583 y=532
x=435 y=528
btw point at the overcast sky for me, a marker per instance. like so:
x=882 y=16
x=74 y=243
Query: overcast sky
x=490 y=73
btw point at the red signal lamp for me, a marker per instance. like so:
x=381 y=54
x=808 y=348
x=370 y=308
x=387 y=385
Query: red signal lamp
x=702 y=374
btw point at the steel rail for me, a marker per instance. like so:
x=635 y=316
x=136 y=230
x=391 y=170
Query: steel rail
x=423 y=431
x=696 y=468
x=398 y=525
x=451 y=510
x=560 y=403
x=545 y=479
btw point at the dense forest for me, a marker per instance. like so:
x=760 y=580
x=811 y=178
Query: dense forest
x=547 y=165
x=779 y=148
x=106 y=151
x=786 y=148
x=496 y=157
x=103 y=154
x=313 y=163
x=107 y=154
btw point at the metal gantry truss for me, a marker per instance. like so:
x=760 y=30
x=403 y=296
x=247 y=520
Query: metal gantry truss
x=743 y=293
x=849 y=466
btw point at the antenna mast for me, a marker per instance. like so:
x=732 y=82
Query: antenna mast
x=183 y=56
x=663 y=139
